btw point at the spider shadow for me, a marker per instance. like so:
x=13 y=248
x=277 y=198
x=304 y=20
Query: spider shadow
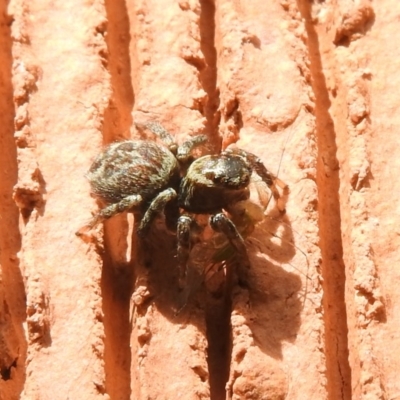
x=273 y=305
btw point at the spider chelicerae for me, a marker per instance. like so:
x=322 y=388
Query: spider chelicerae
x=147 y=178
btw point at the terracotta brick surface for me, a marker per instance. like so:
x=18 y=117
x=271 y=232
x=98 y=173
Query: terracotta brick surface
x=312 y=89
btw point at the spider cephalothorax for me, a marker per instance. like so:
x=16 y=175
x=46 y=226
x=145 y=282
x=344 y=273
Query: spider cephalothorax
x=213 y=182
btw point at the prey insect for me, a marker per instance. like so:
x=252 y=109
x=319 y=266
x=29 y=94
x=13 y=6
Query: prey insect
x=148 y=179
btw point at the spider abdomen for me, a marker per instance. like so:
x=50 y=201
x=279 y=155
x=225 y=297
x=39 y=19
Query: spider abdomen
x=133 y=167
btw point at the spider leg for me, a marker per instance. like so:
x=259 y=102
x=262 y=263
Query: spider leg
x=221 y=223
x=184 y=150
x=109 y=211
x=183 y=238
x=161 y=132
x=157 y=205
x=268 y=177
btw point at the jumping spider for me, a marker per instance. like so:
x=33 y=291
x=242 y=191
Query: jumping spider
x=146 y=178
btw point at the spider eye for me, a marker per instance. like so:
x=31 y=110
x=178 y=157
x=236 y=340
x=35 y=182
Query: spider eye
x=217 y=175
x=210 y=174
x=220 y=178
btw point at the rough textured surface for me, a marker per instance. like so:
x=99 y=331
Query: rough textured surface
x=311 y=88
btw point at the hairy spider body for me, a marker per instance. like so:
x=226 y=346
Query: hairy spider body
x=137 y=176
x=133 y=168
x=147 y=178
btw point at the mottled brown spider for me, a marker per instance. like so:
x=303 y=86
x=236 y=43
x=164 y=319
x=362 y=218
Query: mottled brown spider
x=146 y=178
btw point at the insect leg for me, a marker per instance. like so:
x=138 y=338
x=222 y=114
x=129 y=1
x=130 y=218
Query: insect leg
x=156 y=207
x=221 y=223
x=183 y=237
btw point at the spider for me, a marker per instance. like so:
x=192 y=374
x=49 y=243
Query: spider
x=146 y=178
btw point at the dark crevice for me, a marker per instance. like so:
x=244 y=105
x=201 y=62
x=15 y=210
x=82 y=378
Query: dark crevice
x=118 y=118
x=219 y=337
x=12 y=291
x=333 y=268
x=5 y=372
x=117 y=286
x=208 y=74
x=218 y=307
x=117 y=274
